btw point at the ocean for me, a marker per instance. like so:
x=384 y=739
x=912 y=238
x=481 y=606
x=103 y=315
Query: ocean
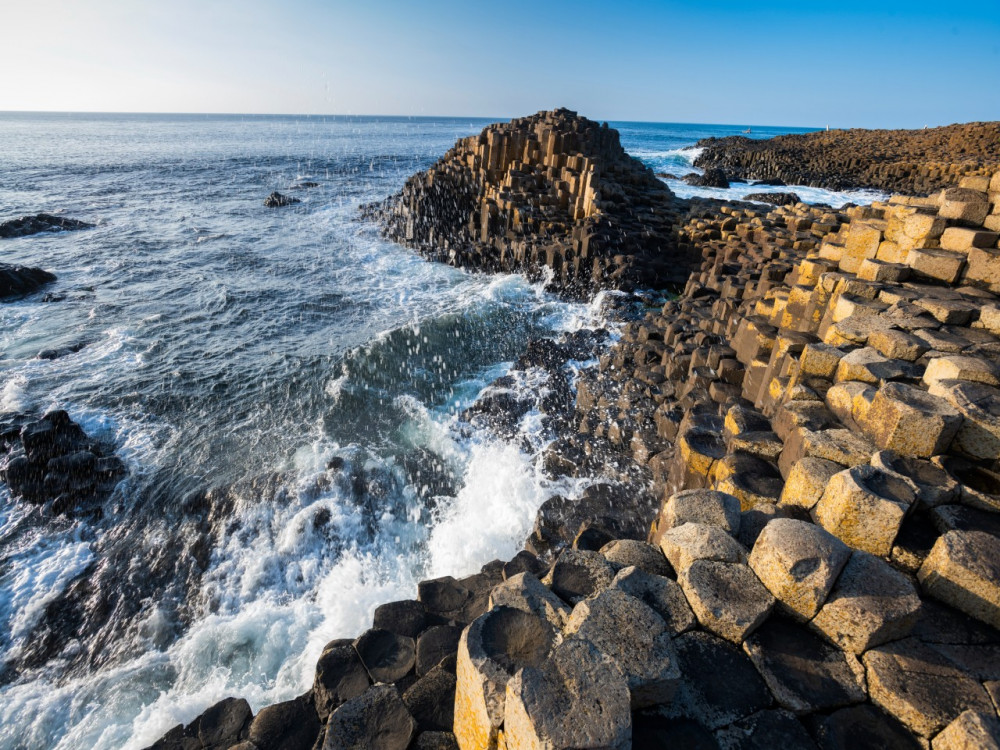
x=307 y=370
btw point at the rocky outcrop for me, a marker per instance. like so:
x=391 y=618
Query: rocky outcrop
x=277 y=200
x=712 y=177
x=775 y=199
x=52 y=461
x=908 y=161
x=553 y=193
x=27 y=225
x=16 y=281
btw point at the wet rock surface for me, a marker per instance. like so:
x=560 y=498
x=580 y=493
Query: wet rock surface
x=28 y=225
x=16 y=281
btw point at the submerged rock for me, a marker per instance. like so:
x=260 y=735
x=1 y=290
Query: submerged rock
x=776 y=199
x=16 y=281
x=27 y=225
x=277 y=200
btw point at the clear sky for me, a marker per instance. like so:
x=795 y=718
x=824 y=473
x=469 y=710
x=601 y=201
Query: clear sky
x=843 y=63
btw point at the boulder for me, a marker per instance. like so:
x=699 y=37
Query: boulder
x=635 y=637
x=16 y=281
x=700 y=506
x=864 y=507
x=290 y=725
x=407 y=618
x=870 y=604
x=526 y=593
x=911 y=422
x=431 y=700
x=663 y=595
x=623 y=553
x=766 y=729
x=376 y=718
x=225 y=723
x=685 y=544
x=798 y=562
x=920 y=687
x=577 y=574
x=577 y=698
x=776 y=199
x=340 y=676
x=491 y=650
x=435 y=644
x=963 y=570
x=387 y=656
x=863 y=727
x=806 y=482
x=972 y=730
x=719 y=684
x=727 y=598
x=713 y=177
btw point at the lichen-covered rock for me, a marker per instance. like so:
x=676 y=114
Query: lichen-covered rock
x=577 y=698
x=525 y=592
x=663 y=595
x=727 y=598
x=870 y=604
x=798 y=562
x=683 y=545
x=636 y=638
x=963 y=570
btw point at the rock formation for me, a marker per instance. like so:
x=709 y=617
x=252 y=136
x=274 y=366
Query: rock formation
x=16 y=281
x=816 y=418
x=553 y=192
x=908 y=161
x=27 y=225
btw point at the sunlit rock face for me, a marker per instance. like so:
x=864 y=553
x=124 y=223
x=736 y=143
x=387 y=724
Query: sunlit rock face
x=554 y=193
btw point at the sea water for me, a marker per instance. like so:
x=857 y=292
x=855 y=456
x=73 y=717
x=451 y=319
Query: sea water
x=307 y=370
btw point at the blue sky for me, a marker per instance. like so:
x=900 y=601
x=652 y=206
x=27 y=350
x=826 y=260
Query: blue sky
x=843 y=64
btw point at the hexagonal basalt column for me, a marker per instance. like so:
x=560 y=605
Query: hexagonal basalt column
x=491 y=650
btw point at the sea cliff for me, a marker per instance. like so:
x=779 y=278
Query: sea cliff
x=798 y=538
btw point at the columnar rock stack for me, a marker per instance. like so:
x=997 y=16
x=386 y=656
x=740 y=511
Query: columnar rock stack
x=552 y=191
x=910 y=161
x=818 y=414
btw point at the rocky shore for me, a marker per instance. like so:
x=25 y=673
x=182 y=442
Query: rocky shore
x=797 y=538
x=916 y=162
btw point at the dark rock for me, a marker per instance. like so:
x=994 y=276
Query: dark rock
x=277 y=200
x=776 y=199
x=770 y=183
x=443 y=596
x=715 y=178
x=407 y=617
x=863 y=728
x=804 y=673
x=652 y=731
x=340 y=676
x=60 y=352
x=436 y=741
x=431 y=700
x=27 y=225
x=435 y=644
x=667 y=176
x=304 y=185
x=387 y=656
x=291 y=725
x=16 y=281
x=719 y=683
x=377 y=718
x=764 y=731
x=523 y=562
x=577 y=574
x=224 y=724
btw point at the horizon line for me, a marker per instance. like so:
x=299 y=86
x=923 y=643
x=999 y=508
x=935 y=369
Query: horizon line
x=425 y=117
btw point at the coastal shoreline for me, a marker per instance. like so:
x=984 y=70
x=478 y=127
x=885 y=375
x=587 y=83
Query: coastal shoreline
x=818 y=396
